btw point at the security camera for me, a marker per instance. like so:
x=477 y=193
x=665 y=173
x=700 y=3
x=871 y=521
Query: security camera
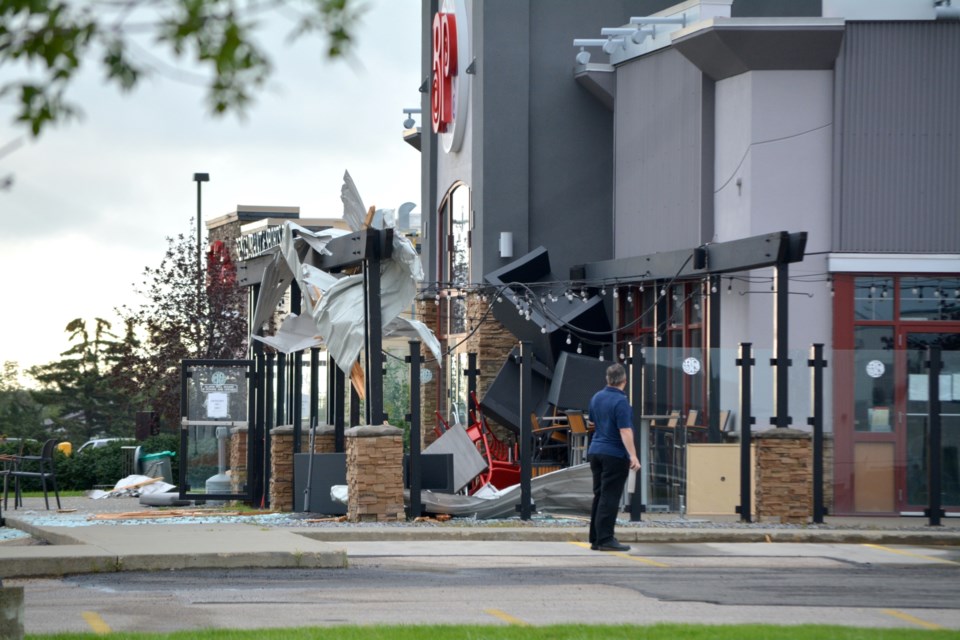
x=583 y=57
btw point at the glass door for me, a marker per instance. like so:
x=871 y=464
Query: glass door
x=913 y=406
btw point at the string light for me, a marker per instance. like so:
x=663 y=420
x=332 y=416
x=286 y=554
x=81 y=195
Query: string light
x=579 y=347
x=616 y=293
x=568 y=339
x=601 y=355
x=730 y=286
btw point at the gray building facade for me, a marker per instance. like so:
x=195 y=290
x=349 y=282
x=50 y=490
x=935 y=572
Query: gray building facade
x=741 y=118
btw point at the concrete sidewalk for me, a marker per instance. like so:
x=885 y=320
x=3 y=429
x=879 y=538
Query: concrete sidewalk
x=76 y=542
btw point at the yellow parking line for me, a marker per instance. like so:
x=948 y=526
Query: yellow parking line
x=641 y=559
x=506 y=617
x=906 y=617
x=96 y=623
x=908 y=553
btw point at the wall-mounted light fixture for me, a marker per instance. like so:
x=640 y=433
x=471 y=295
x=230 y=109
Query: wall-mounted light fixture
x=506 y=244
x=583 y=56
x=409 y=122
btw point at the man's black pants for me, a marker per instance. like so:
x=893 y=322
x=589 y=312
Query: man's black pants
x=609 y=475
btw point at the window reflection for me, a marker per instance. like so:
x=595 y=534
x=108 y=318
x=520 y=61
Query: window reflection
x=873 y=298
x=929 y=298
x=873 y=380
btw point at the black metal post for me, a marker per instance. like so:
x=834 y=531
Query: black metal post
x=934 y=510
x=314 y=385
x=745 y=362
x=635 y=362
x=268 y=424
x=713 y=360
x=184 y=444
x=781 y=346
x=817 y=365
x=374 y=331
x=472 y=374
x=281 y=389
x=339 y=408
x=255 y=446
x=296 y=400
x=526 y=435
x=200 y=178
x=413 y=469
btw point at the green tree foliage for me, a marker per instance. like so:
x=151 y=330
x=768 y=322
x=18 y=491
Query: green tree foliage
x=183 y=318
x=81 y=388
x=44 y=43
x=20 y=415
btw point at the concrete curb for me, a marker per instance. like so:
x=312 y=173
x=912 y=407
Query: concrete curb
x=645 y=535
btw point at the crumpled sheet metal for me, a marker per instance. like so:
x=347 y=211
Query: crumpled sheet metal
x=567 y=491
x=335 y=302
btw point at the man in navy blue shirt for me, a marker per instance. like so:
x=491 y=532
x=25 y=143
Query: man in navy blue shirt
x=612 y=455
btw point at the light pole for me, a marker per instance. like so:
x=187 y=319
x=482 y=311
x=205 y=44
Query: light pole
x=199 y=178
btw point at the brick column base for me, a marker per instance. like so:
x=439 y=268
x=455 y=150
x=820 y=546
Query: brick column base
x=784 y=476
x=281 y=468
x=374 y=473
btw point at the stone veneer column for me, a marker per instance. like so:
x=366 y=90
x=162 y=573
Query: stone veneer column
x=281 y=468
x=784 y=476
x=238 y=458
x=492 y=343
x=374 y=473
x=427 y=314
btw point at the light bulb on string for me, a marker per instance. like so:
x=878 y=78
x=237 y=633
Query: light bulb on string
x=579 y=347
x=601 y=355
x=568 y=339
x=730 y=286
x=616 y=293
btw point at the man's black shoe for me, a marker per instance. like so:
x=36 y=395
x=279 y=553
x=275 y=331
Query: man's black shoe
x=613 y=545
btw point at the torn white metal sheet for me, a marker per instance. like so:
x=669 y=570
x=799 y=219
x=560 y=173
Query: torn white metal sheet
x=296 y=333
x=567 y=491
x=336 y=303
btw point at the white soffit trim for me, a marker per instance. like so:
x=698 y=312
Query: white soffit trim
x=893 y=263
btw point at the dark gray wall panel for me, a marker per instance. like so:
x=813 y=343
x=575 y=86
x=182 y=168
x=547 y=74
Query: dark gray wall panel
x=659 y=132
x=899 y=139
x=541 y=142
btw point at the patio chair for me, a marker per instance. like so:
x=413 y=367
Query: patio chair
x=40 y=467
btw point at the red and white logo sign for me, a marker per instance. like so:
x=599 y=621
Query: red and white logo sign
x=444 y=70
x=449 y=84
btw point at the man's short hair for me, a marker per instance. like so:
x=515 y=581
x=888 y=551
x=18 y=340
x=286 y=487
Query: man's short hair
x=616 y=374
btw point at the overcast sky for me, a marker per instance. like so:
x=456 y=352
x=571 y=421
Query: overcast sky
x=93 y=201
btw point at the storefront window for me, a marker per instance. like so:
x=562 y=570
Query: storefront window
x=455 y=254
x=873 y=298
x=874 y=377
x=929 y=298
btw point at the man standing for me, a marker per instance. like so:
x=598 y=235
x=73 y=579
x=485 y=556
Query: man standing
x=612 y=454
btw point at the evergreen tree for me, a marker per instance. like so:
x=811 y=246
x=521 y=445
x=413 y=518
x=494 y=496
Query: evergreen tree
x=20 y=415
x=78 y=388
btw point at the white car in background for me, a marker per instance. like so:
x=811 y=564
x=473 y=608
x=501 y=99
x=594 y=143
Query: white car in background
x=96 y=443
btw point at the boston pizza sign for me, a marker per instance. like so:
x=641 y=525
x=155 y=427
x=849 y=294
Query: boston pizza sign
x=450 y=84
